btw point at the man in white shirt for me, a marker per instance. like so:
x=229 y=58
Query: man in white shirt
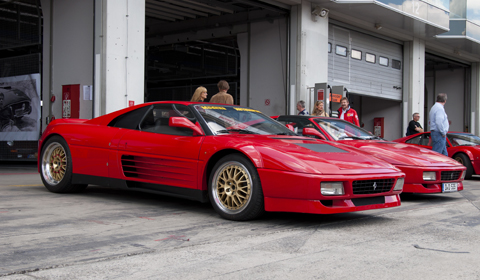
x=438 y=122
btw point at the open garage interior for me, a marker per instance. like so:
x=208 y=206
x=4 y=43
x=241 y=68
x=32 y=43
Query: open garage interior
x=443 y=75
x=195 y=43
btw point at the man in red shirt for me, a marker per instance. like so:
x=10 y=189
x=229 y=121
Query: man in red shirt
x=347 y=113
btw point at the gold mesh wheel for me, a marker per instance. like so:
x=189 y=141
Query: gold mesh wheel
x=54 y=163
x=460 y=160
x=232 y=187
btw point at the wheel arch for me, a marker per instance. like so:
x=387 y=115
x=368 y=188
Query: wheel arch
x=40 y=147
x=466 y=152
x=217 y=156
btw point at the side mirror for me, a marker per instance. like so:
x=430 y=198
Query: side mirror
x=289 y=126
x=184 y=122
x=309 y=131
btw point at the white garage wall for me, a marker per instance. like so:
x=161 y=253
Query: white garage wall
x=72 y=43
x=390 y=110
x=267 y=80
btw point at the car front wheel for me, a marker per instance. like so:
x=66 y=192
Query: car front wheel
x=235 y=190
x=56 y=167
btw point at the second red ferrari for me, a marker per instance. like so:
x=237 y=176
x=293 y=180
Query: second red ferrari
x=426 y=171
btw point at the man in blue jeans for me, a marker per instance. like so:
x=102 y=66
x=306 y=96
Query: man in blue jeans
x=438 y=122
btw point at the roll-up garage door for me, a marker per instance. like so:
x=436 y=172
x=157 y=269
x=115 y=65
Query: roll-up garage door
x=364 y=64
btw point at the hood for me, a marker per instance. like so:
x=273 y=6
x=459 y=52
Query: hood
x=403 y=154
x=307 y=155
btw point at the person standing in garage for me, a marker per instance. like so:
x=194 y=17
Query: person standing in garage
x=438 y=123
x=199 y=95
x=414 y=126
x=318 y=110
x=347 y=113
x=222 y=96
x=301 y=108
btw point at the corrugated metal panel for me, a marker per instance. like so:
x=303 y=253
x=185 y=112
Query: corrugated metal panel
x=360 y=76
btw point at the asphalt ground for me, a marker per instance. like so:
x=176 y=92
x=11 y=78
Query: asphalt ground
x=106 y=233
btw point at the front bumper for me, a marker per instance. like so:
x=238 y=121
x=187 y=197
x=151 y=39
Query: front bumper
x=414 y=182
x=298 y=192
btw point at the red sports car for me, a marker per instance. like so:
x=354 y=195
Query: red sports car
x=240 y=160
x=426 y=171
x=461 y=146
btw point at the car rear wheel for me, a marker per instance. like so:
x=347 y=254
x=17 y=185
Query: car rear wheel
x=465 y=160
x=56 y=167
x=235 y=190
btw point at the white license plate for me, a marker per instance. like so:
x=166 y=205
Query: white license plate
x=449 y=187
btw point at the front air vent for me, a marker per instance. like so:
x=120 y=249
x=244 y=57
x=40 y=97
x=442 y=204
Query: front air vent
x=450 y=175
x=372 y=186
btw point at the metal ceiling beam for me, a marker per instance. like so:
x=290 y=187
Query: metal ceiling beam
x=168 y=11
x=168 y=15
x=210 y=6
x=173 y=7
x=196 y=7
x=261 y=5
x=154 y=15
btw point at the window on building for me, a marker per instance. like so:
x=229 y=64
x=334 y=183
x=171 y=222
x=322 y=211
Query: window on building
x=370 y=58
x=356 y=55
x=396 y=64
x=383 y=61
x=329 y=47
x=341 y=50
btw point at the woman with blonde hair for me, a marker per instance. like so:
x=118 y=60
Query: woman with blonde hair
x=318 y=109
x=199 y=95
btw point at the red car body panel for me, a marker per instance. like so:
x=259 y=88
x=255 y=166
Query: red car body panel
x=413 y=161
x=305 y=197
x=290 y=170
x=473 y=152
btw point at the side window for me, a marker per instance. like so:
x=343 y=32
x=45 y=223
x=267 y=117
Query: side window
x=131 y=119
x=291 y=122
x=298 y=124
x=414 y=140
x=157 y=119
x=426 y=141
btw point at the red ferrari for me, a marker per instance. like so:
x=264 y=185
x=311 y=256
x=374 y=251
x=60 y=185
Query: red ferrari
x=240 y=160
x=461 y=146
x=426 y=171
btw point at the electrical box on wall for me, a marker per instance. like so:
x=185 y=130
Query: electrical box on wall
x=71 y=101
x=378 y=125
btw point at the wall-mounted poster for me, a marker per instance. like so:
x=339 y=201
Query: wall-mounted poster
x=20 y=108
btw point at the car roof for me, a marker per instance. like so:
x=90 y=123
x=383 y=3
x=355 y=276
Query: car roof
x=107 y=118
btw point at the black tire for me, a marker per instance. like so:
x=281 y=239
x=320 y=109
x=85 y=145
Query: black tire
x=465 y=160
x=56 y=167
x=235 y=190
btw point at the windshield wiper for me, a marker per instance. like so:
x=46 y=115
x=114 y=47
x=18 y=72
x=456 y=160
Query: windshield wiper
x=236 y=130
x=352 y=137
x=285 y=133
x=374 y=137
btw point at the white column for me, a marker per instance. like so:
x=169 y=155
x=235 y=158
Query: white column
x=310 y=55
x=414 y=81
x=475 y=100
x=122 y=55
